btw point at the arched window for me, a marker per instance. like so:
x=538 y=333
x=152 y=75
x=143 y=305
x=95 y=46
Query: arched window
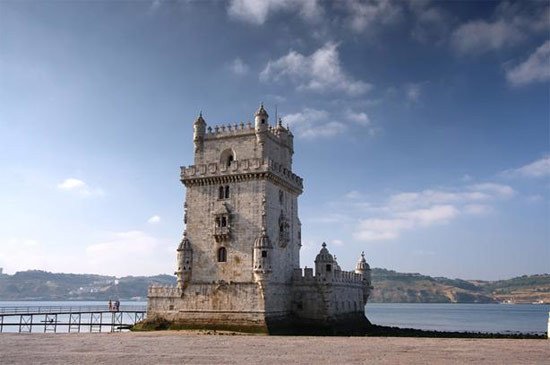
x=222 y=254
x=220 y=192
x=227 y=157
x=227 y=192
x=224 y=221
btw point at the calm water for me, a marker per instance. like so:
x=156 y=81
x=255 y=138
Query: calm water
x=501 y=318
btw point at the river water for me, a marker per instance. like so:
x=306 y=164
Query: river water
x=496 y=318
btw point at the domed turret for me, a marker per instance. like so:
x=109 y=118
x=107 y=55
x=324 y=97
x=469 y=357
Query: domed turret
x=185 y=261
x=363 y=268
x=261 y=123
x=199 y=130
x=324 y=263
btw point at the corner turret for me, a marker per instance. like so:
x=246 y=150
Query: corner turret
x=363 y=268
x=199 y=130
x=261 y=123
x=184 y=262
x=324 y=263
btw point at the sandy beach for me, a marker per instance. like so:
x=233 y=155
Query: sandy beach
x=191 y=348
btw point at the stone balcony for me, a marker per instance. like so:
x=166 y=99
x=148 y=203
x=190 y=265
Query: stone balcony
x=245 y=167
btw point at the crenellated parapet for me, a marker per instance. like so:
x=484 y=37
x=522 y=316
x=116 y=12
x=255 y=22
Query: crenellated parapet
x=306 y=276
x=240 y=170
x=163 y=291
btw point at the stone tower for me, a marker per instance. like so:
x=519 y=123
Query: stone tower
x=238 y=263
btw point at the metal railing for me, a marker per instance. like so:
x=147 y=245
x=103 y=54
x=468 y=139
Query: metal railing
x=61 y=309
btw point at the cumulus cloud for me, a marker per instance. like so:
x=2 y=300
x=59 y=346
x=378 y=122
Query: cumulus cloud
x=313 y=123
x=538 y=168
x=239 y=67
x=360 y=118
x=419 y=209
x=79 y=187
x=319 y=72
x=368 y=15
x=536 y=68
x=431 y=23
x=154 y=219
x=258 y=11
x=511 y=25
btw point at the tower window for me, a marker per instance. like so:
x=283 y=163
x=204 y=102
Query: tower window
x=263 y=121
x=220 y=192
x=222 y=254
x=264 y=253
x=224 y=221
x=227 y=157
x=227 y=192
x=218 y=222
x=281 y=196
x=329 y=267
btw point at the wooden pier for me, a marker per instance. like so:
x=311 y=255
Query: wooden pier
x=69 y=318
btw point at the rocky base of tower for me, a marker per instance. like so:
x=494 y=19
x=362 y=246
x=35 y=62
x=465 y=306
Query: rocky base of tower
x=349 y=325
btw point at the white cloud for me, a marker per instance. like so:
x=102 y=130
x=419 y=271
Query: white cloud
x=360 y=118
x=494 y=189
x=481 y=36
x=511 y=24
x=238 y=67
x=413 y=92
x=258 y=11
x=313 y=123
x=78 y=187
x=368 y=15
x=319 y=72
x=414 y=210
x=538 y=168
x=154 y=219
x=535 y=69
x=431 y=23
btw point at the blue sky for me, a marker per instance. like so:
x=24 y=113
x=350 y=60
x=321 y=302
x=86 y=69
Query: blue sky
x=422 y=128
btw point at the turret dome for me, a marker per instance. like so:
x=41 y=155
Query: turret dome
x=362 y=264
x=261 y=111
x=324 y=255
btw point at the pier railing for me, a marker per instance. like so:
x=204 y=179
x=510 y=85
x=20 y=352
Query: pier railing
x=89 y=318
x=61 y=309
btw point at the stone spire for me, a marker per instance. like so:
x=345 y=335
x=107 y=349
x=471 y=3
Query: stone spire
x=261 y=123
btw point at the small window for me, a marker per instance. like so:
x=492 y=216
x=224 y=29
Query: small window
x=263 y=121
x=264 y=253
x=224 y=222
x=227 y=192
x=218 y=222
x=221 y=192
x=229 y=160
x=222 y=254
x=281 y=196
x=329 y=267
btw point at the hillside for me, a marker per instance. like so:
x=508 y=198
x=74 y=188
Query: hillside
x=389 y=286
x=394 y=287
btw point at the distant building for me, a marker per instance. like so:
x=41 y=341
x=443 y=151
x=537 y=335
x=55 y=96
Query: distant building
x=238 y=264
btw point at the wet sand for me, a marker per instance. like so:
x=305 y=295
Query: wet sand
x=191 y=348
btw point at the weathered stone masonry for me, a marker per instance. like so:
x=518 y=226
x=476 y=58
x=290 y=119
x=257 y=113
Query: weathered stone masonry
x=238 y=264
